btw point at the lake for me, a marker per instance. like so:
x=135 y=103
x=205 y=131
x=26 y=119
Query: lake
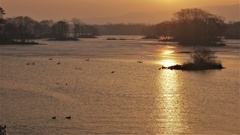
x=100 y=84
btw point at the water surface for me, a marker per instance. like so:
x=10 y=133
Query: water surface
x=137 y=98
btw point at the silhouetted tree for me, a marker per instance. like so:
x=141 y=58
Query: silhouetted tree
x=20 y=28
x=197 y=27
x=150 y=32
x=43 y=29
x=232 y=30
x=88 y=31
x=165 y=30
x=25 y=28
x=10 y=29
x=60 y=30
x=2 y=12
x=76 y=27
x=3 y=36
x=202 y=59
x=203 y=56
x=2 y=24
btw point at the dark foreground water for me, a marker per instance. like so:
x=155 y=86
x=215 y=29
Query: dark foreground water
x=112 y=93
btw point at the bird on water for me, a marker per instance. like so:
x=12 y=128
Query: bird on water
x=68 y=117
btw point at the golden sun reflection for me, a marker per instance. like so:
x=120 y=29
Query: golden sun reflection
x=169 y=103
x=167 y=63
x=167 y=52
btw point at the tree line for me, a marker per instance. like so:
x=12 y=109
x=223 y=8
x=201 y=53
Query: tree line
x=232 y=30
x=21 y=29
x=194 y=27
x=188 y=27
x=121 y=29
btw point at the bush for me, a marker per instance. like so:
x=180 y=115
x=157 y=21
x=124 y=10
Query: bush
x=202 y=59
x=203 y=56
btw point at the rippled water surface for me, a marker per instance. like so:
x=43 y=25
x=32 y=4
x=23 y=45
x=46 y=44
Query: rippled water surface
x=112 y=93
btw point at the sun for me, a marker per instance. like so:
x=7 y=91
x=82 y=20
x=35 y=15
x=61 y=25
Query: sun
x=172 y=4
x=169 y=1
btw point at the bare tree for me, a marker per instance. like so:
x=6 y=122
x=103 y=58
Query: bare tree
x=203 y=56
x=197 y=27
x=60 y=30
x=202 y=59
x=76 y=27
x=20 y=28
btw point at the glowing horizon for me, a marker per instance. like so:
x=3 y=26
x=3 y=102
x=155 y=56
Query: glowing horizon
x=57 y=10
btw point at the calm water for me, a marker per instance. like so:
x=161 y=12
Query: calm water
x=136 y=99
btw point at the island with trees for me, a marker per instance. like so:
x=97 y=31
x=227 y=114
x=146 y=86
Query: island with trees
x=23 y=30
x=201 y=59
x=192 y=27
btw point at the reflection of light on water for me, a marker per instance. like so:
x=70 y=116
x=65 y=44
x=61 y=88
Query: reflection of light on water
x=167 y=52
x=167 y=63
x=169 y=102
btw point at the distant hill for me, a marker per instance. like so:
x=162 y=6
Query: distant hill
x=137 y=17
x=229 y=12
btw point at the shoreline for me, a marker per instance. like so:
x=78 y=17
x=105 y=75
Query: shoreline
x=21 y=43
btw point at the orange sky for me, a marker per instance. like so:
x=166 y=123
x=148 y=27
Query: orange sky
x=66 y=9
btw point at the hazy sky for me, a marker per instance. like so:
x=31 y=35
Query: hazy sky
x=66 y=9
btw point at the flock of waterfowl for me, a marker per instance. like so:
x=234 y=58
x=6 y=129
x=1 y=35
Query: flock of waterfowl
x=34 y=63
x=58 y=63
x=51 y=58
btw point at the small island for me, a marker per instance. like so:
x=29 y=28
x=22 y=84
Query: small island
x=22 y=30
x=202 y=59
x=13 y=42
x=111 y=38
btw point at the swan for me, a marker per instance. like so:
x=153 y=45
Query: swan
x=140 y=61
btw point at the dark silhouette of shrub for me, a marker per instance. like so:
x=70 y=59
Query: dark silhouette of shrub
x=202 y=59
